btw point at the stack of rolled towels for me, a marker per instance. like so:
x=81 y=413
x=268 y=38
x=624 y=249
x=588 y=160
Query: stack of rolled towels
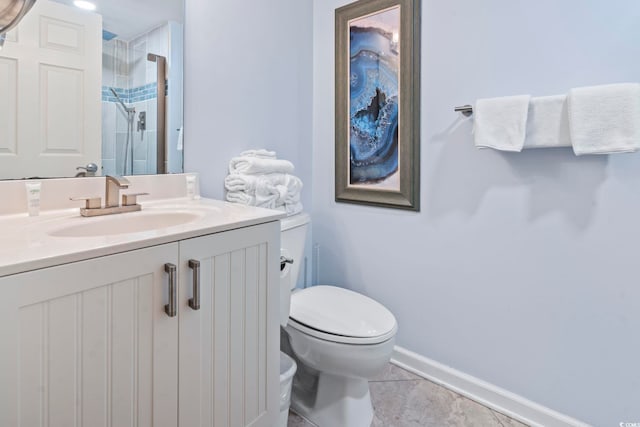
x=259 y=178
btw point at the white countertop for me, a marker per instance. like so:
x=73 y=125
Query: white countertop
x=27 y=243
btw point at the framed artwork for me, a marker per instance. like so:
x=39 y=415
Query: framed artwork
x=377 y=141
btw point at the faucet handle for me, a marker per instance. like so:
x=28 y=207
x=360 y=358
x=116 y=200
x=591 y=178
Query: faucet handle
x=131 y=198
x=93 y=202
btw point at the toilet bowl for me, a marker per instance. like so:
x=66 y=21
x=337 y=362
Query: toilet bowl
x=339 y=339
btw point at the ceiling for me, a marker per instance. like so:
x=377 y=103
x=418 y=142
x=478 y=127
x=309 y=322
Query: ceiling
x=130 y=18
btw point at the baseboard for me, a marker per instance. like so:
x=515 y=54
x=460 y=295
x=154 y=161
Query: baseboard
x=503 y=401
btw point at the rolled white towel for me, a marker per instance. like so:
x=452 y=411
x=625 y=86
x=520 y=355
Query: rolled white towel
x=241 y=197
x=286 y=188
x=257 y=165
x=241 y=182
x=291 y=209
x=294 y=189
x=261 y=153
x=267 y=200
x=267 y=183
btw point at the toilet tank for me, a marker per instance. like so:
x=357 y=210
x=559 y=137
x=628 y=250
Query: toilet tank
x=293 y=233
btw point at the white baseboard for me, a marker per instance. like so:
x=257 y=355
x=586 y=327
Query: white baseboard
x=503 y=401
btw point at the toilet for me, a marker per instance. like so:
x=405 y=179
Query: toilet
x=338 y=338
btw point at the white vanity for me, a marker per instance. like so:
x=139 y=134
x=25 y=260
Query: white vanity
x=163 y=317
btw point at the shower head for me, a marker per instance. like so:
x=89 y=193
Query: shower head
x=127 y=109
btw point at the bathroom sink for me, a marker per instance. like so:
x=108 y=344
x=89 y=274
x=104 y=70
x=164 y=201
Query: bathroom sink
x=126 y=223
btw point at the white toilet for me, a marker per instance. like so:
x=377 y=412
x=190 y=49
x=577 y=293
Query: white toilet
x=339 y=339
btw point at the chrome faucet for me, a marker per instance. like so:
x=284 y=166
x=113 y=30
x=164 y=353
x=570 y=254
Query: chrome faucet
x=113 y=185
x=112 y=191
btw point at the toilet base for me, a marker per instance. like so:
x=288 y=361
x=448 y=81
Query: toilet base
x=339 y=402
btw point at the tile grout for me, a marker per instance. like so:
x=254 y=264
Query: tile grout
x=399 y=380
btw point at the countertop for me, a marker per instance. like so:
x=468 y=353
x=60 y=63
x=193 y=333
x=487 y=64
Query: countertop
x=29 y=243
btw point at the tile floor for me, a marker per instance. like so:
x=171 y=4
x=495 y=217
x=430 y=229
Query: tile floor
x=402 y=399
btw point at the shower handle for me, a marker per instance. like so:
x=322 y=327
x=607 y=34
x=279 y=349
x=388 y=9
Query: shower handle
x=142 y=121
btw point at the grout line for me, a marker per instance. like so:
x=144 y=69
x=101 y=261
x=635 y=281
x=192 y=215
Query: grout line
x=493 y=413
x=398 y=380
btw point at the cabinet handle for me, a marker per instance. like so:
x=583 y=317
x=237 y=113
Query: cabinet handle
x=194 y=302
x=170 y=308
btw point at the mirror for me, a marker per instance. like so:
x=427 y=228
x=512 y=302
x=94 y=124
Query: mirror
x=79 y=91
x=11 y=12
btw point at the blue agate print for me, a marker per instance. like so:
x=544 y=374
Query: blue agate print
x=373 y=98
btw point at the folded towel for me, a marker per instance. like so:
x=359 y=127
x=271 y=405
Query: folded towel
x=273 y=191
x=257 y=165
x=241 y=197
x=282 y=190
x=291 y=209
x=242 y=182
x=605 y=119
x=500 y=123
x=268 y=202
x=548 y=123
x=261 y=153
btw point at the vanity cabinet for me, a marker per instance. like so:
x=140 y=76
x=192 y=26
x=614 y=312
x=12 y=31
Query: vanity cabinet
x=90 y=343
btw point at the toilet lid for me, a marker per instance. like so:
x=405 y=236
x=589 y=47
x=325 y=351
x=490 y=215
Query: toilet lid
x=341 y=312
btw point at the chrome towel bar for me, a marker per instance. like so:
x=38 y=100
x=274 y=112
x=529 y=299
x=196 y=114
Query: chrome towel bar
x=466 y=110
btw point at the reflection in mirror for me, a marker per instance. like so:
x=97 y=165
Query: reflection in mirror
x=11 y=12
x=79 y=88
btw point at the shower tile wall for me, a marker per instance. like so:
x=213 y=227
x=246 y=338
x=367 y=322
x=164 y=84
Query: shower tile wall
x=114 y=74
x=125 y=67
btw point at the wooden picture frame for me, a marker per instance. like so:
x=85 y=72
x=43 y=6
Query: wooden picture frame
x=377 y=83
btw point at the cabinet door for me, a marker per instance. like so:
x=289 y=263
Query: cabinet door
x=229 y=348
x=89 y=343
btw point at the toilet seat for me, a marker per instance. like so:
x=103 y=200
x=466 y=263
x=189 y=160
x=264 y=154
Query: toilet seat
x=340 y=315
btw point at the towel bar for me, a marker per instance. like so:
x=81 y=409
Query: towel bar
x=466 y=110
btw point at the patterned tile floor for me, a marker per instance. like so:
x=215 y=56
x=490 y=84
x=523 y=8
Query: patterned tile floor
x=402 y=399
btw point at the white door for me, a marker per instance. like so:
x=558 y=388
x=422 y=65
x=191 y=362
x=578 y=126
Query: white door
x=50 y=88
x=229 y=347
x=89 y=344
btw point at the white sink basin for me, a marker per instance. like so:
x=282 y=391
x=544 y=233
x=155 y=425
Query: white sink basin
x=126 y=223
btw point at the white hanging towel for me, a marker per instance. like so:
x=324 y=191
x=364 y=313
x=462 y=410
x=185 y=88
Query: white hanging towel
x=605 y=119
x=257 y=165
x=548 y=123
x=500 y=123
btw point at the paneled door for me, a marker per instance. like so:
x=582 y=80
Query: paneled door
x=50 y=88
x=229 y=336
x=90 y=344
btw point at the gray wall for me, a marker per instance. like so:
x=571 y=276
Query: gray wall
x=248 y=83
x=521 y=269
